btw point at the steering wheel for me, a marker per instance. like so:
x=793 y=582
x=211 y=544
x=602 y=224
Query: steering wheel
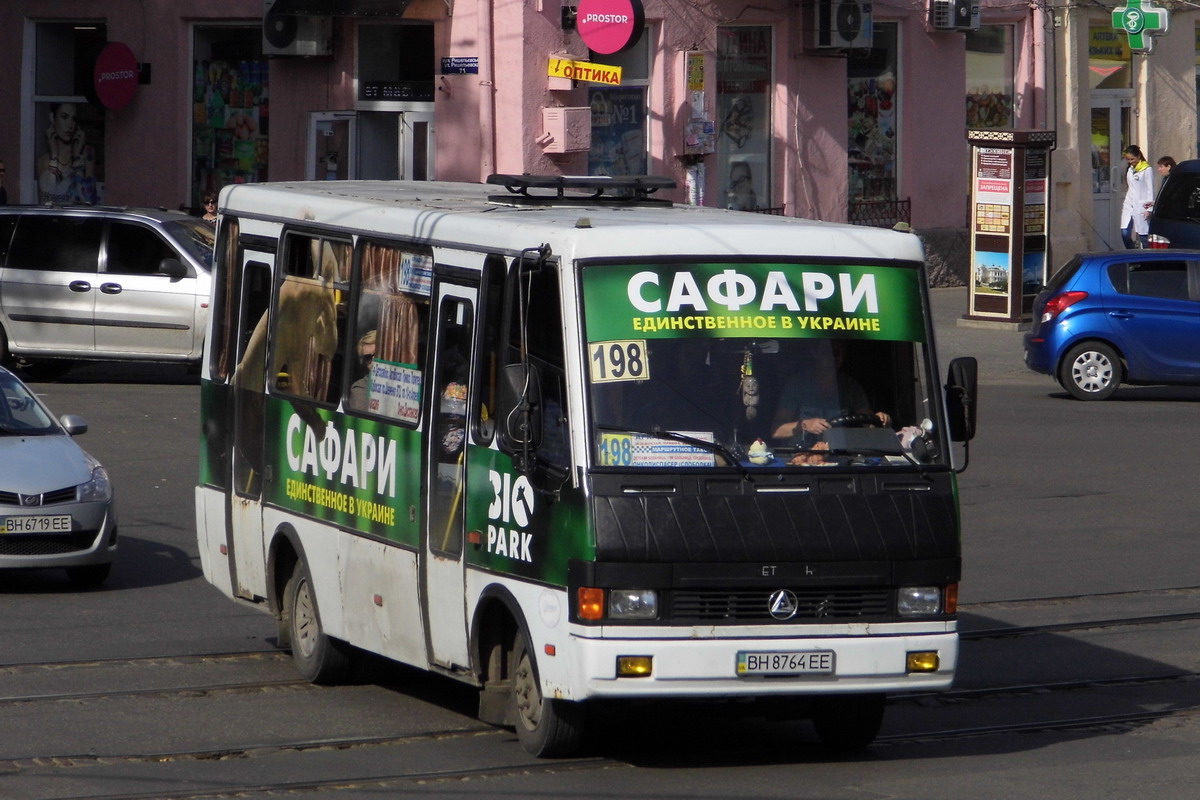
x=853 y=421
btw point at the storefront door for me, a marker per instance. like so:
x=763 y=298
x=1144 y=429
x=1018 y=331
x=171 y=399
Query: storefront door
x=1111 y=128
x=330 y=153
x=371 y=145
x=416 y=146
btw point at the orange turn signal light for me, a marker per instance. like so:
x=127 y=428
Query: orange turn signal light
x=591 y=603
x=951 y=602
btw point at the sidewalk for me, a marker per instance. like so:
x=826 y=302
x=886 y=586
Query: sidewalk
x=998 y=350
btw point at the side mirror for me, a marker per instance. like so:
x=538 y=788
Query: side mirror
x=519 y=408
x=74 y=425
x=173 y=268
x=962 y=380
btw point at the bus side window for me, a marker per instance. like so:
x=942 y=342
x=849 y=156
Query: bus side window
x=388 y=341
x=225 y=305
x=310 y=318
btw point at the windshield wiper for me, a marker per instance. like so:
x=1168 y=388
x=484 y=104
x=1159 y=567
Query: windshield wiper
x=658 y=432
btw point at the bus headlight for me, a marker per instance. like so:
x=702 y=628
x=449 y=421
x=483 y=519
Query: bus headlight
x=632 y=604
x=914 y=601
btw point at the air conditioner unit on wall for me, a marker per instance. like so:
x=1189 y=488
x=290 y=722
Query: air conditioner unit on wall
x=842 y=24
x=292 y=35
x=954 y=15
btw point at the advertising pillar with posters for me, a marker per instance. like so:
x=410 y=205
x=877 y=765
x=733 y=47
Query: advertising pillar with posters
x=1009 y=197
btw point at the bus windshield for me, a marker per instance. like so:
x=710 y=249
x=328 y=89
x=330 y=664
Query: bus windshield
x=758 y=366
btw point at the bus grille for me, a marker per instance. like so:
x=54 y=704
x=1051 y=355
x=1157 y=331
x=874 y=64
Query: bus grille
x=753 y=606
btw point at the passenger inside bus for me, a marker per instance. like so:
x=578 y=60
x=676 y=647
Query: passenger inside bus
x=365 y=351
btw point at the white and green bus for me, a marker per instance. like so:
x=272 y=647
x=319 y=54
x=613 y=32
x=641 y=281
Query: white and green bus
x=569 y=443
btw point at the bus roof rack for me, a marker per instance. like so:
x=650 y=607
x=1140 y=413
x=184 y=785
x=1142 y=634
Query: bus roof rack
x=622 y=190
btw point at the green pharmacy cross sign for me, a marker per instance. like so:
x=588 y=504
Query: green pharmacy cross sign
x=1142 y=22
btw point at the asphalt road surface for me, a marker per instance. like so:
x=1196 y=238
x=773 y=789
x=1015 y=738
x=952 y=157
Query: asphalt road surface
x=1078 y=673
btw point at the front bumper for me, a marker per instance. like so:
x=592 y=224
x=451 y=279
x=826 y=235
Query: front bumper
x=92 y=540
x=708 y=667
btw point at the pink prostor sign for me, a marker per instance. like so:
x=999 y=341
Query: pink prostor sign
x=116 y=75
x=610 y=26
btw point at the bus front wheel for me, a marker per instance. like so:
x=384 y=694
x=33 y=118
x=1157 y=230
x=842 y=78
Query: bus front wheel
x=546 y=728
x=319 y=657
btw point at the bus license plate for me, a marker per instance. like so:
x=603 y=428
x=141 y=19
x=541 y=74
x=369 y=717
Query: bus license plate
x=803 y=662
x=43 y=523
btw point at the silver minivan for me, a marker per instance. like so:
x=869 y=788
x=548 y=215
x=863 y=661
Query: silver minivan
x=103 y=283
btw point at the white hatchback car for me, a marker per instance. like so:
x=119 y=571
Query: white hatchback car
x=103 y=283
x=56 y=502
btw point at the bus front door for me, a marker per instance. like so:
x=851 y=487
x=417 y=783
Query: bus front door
x=444 y=604
x=245 y=535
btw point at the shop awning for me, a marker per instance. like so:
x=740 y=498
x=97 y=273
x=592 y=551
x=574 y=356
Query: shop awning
x=341 y=8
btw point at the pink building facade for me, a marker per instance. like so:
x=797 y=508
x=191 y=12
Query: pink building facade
x=835 y=110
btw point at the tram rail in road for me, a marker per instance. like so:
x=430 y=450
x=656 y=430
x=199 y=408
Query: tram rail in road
x=1094 y=692
x=992 y=706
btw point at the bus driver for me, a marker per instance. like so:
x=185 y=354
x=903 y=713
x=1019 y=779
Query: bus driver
x=818 y=392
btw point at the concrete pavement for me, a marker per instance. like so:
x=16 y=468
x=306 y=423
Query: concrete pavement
x=998 y=349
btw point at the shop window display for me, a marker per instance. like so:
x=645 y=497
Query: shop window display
x=744 y=58
x=1108 y=58
x=874 y=115
x=619 y=113
x=1196 y=35
x=230 y=111
x=618 y=132
x=70 y=168
x=68 y=156
x=990 y=77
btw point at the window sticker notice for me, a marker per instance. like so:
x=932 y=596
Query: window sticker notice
x=640 y=450
x=416 y=273
x=395 y=391
x=619 y=361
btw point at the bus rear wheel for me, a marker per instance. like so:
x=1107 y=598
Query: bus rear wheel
x=546 y=728
x=848 y=722
x=319 y=658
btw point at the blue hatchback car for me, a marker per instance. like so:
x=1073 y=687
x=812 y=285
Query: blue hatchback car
x=1127 y=316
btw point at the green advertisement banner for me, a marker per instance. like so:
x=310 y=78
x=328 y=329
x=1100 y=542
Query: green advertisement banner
x=664 y=301
x=365 y=475
x=517 y=529
x=356 y=473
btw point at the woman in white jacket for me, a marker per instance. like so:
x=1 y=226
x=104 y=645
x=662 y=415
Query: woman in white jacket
x=1139 y=197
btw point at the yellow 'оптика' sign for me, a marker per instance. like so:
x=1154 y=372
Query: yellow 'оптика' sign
x=584 y=71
